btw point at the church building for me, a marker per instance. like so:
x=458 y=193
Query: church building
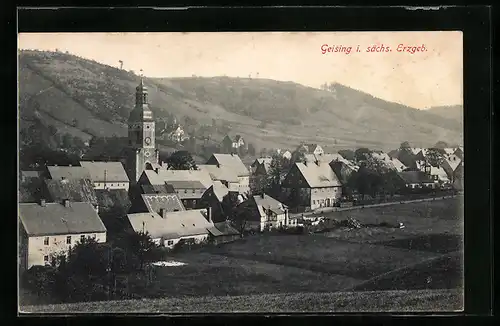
x=143 y=154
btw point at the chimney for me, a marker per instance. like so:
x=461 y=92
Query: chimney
x=305 y=162
x=163 y=213
x=43 y=203
x=66 y=202
x=317 y=162
x=209 y=214
x=262 y=195
x=218 y=165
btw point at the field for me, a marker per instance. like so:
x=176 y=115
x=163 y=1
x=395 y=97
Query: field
x=337 y=271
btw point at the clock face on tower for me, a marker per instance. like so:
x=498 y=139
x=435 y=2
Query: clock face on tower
x=146 y=154
x=147 y=140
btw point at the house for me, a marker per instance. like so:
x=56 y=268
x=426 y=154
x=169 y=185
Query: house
x=74 y=190
x=439 y=175
x=342 y=170
x=238 y=142
x=261 y=161
x=189 y=191
x=397 y=165
x=49 y=229
x=177 y=135
x=233 y=162
x=265 y=213
x=154 y=203
x=189 y=185
x=287 y=154
x=68 y=172
x=262 y=165
x=416 y=179
x=212 y=198
x=223 y=232
x=310 y=149
x=29 y=175
x=328 y=157
x=107 y=175
x=459 y=152
x=450 y=164
x=229 y=145
x=169 y=228
x=222 y=174
x=312 y=186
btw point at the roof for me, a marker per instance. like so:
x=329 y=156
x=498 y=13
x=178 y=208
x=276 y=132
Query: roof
x=31 y=174
x=449 y=150
x=106 y=171
x=328 y=157
x=219 y=190
x=219 y=173
x=157 y=189
x=397 y=164
x=270 y=203
x=225 y=228
x=318 y=175
x=55 y=218
x=186 y=184
x=453 y=161
x=310 y=148
x=169 y=202
x=232 y=161
x=166 y=176
x=412 y=177
x=174 y=225
x=75 y=190
x=440 y=172
x=415 y=150
x=68 y=172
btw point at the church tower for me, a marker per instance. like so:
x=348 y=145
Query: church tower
x=141 y=136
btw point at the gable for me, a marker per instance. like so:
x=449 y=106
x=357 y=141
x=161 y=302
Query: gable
x=294 y=178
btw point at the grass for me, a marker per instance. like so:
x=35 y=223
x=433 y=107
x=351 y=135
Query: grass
x=444 y=272
x=326 y=255
x=378 y=301
x=315 y=272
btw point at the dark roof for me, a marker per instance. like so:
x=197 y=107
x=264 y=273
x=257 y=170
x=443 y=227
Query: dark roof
x=225 y=228
x=413 y=177
x=186 y=184
x=155 y=202
x=30 y=190
x=55 y=218
x=157 y=189
x=75 y=190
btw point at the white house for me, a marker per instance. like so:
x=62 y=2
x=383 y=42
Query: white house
x=107 y=175
x=233 y=162
x=49 y=229
x=168 y=228
x=267 y=213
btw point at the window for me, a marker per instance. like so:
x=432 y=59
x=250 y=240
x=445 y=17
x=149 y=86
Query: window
x=82 y=238
x=194 y=190
x=112 y=185
x=46 y=241
x=170 y=242
x=314 y=202
x=185 y=191
x=45 y=258
x=68 y=239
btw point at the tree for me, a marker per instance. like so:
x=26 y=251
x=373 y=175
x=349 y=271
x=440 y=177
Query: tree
x=275 y=176
x=391 y=182
x=229 y=204
x=181 y=160
x=434 y=157
x=441 y=144
x=297 y=157
x=405 y=145
x=251 y=150
x=362 y=154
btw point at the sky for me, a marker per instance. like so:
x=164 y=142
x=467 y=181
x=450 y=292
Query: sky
x=422 y=79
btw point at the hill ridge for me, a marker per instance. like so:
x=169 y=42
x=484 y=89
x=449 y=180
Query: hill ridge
x=267 y=112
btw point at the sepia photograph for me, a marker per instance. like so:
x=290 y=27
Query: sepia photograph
x=240 y=172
